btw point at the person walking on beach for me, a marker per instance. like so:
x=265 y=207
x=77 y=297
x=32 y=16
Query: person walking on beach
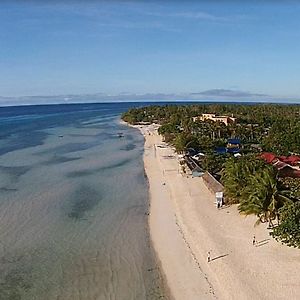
x=254 y=240
x=208 y=256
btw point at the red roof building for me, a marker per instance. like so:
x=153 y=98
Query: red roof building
x=292 y=160
x=268 y=157
x=284 y=164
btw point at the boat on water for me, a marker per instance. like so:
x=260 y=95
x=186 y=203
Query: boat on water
x=120 y=134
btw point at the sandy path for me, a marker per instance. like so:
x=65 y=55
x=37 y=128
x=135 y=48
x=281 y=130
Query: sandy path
x=185 y=224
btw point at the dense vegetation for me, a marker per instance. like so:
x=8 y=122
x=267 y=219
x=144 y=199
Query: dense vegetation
x=288 y=231
x=248 y=181
x=275 y=127
x=253 y=184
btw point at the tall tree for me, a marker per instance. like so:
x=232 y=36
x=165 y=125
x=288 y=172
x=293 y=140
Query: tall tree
x=263 y=197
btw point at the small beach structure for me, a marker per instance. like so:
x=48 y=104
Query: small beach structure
x=219 y=199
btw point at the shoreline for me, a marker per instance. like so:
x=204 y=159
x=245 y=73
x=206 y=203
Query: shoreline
x=185 y=224
x=179 y=266
x=167 y=293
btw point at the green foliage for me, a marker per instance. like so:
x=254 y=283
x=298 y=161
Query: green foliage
x=213 y=162
x=283 y=136
x=262 y=196
x=253 y=184
x=168 y=128
x=236 y=174
x=292 y=185
x=288 y=231
x=183 y=141
x=275 y=127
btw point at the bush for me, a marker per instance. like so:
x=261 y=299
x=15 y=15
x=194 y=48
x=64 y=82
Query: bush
x=288 y=232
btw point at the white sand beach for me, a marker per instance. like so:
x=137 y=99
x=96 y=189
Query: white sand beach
x=185 y=224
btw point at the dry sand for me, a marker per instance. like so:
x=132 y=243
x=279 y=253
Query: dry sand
x=185 y=224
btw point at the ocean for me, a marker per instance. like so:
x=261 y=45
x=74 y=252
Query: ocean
x=73 y=205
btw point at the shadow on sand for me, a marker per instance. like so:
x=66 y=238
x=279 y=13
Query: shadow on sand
x=261 y=243
x=220 y=256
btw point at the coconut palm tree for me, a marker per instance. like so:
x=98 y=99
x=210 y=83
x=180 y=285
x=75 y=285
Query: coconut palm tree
x=236 y=174
x=263 y=197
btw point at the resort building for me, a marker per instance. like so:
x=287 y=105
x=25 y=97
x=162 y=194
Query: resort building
x=224 y=119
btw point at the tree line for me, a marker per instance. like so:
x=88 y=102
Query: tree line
x=249 y=182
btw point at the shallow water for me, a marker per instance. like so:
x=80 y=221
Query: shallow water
x=72 y=206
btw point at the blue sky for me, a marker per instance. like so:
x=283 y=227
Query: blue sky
x=171 y=48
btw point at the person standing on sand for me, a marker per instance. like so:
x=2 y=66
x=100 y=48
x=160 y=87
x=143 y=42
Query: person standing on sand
x=208 y=256
x=254 y=240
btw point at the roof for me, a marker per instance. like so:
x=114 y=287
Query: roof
x=292 y=159
x=268 y=157
x=234 y=141
x=220 y=150
x=279 y=165
x=233 y=150
x=289 y=171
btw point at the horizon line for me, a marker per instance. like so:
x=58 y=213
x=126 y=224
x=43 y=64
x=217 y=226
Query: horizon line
x=207 y=101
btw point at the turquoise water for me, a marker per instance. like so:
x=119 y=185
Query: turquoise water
x=73 y=198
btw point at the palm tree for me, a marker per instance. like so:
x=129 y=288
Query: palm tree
x=231 y=179
x=263 y=197
x=236 y=174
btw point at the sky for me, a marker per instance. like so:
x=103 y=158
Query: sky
x=127 y=50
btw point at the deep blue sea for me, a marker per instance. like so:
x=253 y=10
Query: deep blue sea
x=73 y=198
